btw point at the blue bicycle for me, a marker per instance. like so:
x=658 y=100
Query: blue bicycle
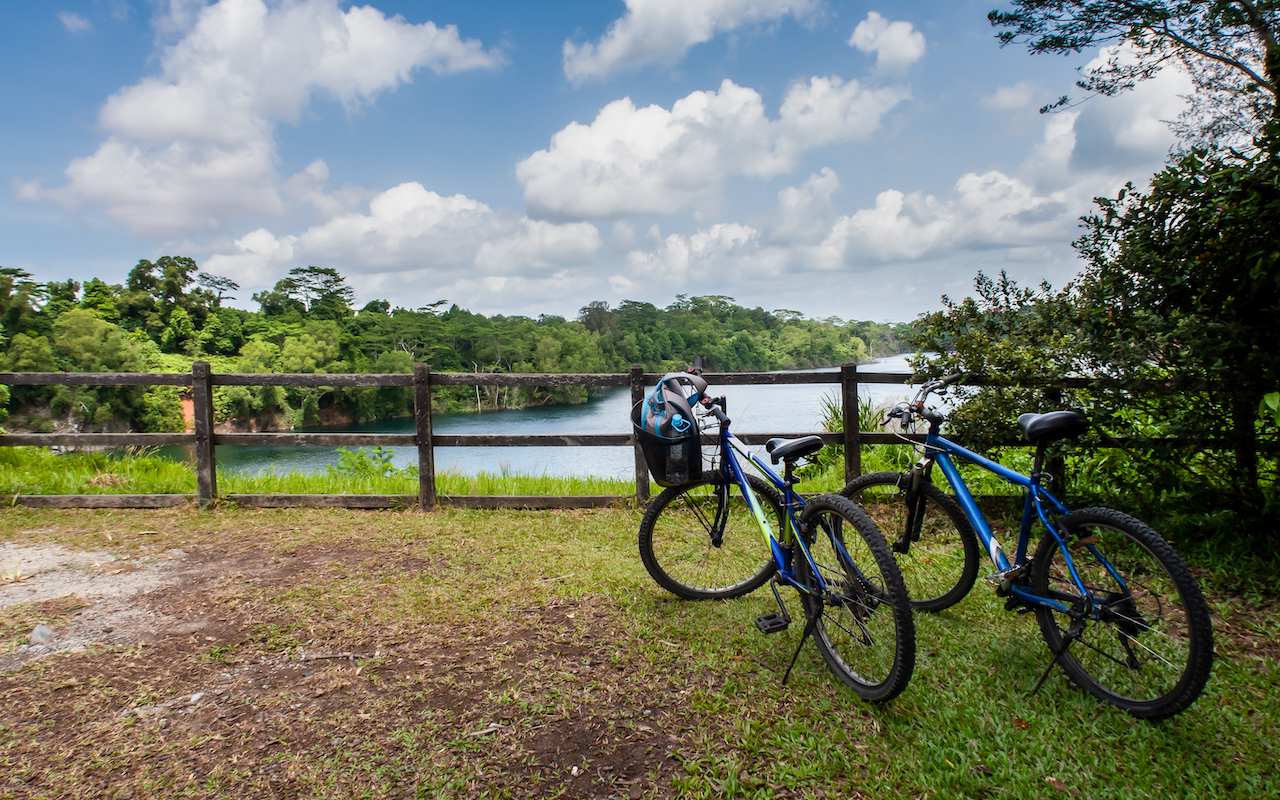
x=1120 y=611
x=701 y=540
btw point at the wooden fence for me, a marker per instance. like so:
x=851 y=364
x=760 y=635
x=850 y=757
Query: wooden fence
x=202 y=381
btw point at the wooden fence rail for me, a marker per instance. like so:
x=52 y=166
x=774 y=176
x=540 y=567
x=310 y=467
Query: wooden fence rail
x=202 y=381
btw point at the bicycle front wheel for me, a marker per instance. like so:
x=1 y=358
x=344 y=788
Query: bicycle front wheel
x=1147 y=646
x=864 y=628
x=939 y=559
x=700 y=540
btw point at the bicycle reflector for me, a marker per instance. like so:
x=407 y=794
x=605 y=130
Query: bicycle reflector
x=667 y=432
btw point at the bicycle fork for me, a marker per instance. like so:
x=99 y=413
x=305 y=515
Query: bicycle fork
x=914 y=496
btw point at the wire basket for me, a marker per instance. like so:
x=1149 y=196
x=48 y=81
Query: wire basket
x=672 y=460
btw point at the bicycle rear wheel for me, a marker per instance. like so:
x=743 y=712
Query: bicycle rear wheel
x=700 y=540
x=940 y=563
x=1149 y=646
x=864 y=628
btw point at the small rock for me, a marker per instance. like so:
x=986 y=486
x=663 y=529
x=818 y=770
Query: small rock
x=196 y=698
x=43 y=634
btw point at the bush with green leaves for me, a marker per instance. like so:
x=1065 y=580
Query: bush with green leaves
x=1175 y=315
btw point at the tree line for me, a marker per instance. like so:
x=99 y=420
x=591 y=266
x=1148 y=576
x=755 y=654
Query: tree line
x=168 y=314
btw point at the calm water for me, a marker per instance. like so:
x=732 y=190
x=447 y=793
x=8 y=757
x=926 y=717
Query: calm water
x=752 y=408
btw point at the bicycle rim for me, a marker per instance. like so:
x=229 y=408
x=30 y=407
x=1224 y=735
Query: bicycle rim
x=864 y=631
x=941 y=560
x=677 y=539
x=1149 y=648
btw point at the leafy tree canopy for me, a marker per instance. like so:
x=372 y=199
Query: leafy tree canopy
x=1230 y=48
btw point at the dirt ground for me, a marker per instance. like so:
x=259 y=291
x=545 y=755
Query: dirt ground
x=178 y=685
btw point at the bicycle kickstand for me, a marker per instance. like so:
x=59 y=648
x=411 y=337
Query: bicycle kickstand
x=814 y=615
x=1073 y=632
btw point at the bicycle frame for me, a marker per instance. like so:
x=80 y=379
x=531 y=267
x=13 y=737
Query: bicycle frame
x=941 y=451
x=783 y=555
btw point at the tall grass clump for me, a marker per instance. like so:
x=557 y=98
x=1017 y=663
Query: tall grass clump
x=368 y=470
x=38 y=470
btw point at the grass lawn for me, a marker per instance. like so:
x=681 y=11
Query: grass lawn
x=337 y=653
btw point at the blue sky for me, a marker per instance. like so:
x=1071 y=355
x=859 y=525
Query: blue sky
x=847 y=159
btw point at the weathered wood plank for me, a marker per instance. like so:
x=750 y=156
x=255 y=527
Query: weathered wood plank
x=95 y=439
x=325 y=500
x=95 y=378
x=514 y=379
x=875 y=437
x=535 y=440
x=532 y=501
x=426 y=441
x=850 y=421
x=883 y=377
x=760 y=438
x=98 y=500
x=636 y=378
x=202 y=411
x=316 y=439
x=307 y=379
x=714 y=379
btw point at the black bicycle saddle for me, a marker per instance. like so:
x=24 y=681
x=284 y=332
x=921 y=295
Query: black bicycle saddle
x=791 y=449
x=1045 y=428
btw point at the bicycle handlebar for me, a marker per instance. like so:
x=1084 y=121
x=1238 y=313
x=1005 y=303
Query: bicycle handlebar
x=716 y=407
x=906 y=412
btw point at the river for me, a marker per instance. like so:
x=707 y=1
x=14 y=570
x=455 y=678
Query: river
x=752 y=408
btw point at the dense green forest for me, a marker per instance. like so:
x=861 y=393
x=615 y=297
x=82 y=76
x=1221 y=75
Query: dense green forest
x=169 y=314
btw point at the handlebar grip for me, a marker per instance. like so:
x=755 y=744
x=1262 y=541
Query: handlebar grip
x=955 y=378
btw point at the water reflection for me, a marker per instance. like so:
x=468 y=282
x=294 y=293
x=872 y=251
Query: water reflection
x=752 y=408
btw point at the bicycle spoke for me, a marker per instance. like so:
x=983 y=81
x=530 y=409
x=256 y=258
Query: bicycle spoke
x=1135 y=589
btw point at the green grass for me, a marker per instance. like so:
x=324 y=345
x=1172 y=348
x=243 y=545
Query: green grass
x=38 y=470
x=31 y=470
x=500 y=583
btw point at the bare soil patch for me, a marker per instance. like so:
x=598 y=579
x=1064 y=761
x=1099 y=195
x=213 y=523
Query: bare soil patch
x=178 y=670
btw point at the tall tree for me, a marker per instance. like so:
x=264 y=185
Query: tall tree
x=100 y=298
x=17 y=310
x=1231 y=49
x=322 y=290
x=217 y=284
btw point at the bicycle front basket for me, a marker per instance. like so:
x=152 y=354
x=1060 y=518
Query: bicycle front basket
x=674 y=457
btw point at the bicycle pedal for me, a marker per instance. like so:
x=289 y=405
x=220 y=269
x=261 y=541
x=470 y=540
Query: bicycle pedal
x=1020 y=606
x=772 y=622
x=1005 y=578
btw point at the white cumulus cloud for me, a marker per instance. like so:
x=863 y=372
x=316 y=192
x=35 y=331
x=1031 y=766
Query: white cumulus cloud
x=897 y=45
x=1027 y=214
x=678 y=259
x=653 y=161
x=193 y=147
x=662 y=31
x=413 y=234
x=804 y=213
x=1007 y=98
x=73 y=22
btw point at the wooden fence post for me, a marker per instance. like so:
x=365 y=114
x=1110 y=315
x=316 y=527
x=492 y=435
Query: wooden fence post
x=849 y=417
x=426 y=447
x=1057 y=466
x=202 y=407
x=642 y=469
